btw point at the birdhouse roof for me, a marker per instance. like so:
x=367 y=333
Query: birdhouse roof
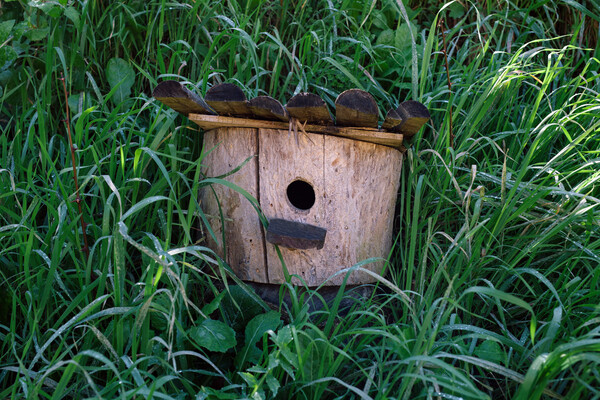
x=356 y=113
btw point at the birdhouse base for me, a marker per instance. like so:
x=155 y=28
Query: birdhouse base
x=317 y=298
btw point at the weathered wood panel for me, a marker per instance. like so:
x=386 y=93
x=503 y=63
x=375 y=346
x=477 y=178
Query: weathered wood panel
x=244 y=240
x=355 y=185
x=281 y=162
x=361 y=186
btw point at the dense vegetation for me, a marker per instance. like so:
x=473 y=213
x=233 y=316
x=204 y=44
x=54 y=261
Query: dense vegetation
x=493 y=285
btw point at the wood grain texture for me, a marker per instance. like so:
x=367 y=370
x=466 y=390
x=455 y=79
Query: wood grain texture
x=361 y=181
x=208 y=122
x=228 y=99
x=282 y=162
x=356 y=107
x=266 y=107
x=176 y=96
x=355 y=184
x=309 y=108
x=244 y=240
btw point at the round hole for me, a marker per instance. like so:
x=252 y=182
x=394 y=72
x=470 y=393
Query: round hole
x=301 y=194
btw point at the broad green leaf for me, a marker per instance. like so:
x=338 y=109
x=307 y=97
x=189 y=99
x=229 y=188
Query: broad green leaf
x=5 y=28
x=283 y=336
x=7 y=56
x=386 y=38
x=120 y=75
x=48 y=7
x=273 y=384
x=239 y=307
x=490 y=350
x=213 y=335
x=255 y=330
x=38 y=34
x=456 y=10
x=402 y=39
x=260 y=324
x=19 y=30
x=219 y=394
x=214 y=304
x=72 y=14
x=380 y=18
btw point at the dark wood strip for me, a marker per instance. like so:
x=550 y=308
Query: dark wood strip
x=208 y=122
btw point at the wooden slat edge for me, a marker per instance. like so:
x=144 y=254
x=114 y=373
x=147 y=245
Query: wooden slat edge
x=208 y=122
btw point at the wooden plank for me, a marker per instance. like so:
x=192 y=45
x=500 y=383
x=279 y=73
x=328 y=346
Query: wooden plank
x=228 y=99
x=295 y=235
x=208 y=122
x=408 y=118
x=282 y=162
x=356 y=107
x=176 y=96
x=244 y=242
x=309 y=108
x=266 y=107
x=361 y=185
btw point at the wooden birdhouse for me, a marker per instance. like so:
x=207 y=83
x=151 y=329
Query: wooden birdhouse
x=328 y=191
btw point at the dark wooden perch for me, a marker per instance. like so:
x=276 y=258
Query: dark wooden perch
x=295 y=235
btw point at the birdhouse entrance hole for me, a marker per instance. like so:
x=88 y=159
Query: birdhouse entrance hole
x=301 y=194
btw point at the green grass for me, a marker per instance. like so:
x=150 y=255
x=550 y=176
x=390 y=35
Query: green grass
x=493 y=285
